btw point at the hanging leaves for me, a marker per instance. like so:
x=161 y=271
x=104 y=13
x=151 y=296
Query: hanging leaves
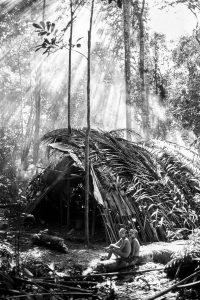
x=37 y=26
x=47 y=29
x=44 y=28
x=52 y=39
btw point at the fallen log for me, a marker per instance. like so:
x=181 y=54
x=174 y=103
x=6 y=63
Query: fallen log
x=53 y=242
x=113 y=265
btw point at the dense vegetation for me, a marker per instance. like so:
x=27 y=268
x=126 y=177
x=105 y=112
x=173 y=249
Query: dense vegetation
x=163 y=80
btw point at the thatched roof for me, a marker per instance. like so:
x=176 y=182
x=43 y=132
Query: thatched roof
x=157 y=183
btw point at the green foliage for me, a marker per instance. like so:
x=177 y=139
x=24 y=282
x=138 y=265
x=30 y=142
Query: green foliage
x=8 y=147
x=185 y=106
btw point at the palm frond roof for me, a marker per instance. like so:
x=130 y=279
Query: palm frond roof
x=156 y=181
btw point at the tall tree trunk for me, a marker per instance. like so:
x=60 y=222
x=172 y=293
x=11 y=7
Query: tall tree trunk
x=38 y=103
x=69 y=104
x=37 y=96
x=142 y=57
x=87 y=147
x=156 y=62
x=127 y=19
x=70 y=68
x=21 y=94
x=27 y=139
x=144 y=98
x=28 y=135
x=43 y=10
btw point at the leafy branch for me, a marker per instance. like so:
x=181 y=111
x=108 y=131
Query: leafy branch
x=53 y=39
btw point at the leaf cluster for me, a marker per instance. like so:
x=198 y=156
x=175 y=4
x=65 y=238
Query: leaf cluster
x=46 y=29
x=53 y=39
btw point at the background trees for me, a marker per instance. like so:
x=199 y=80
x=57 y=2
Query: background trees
x=164 y=77
x=185 y=104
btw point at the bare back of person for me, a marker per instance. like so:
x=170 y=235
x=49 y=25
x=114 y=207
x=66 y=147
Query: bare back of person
x=135 y=248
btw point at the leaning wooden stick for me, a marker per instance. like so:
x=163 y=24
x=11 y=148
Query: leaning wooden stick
x=189 y=285
x=75 y=294
x=72 y=288
x=111 y=274
x=173 y=286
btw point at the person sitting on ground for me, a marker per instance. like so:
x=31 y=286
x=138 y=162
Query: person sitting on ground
x=135 y=246
x=122 y=248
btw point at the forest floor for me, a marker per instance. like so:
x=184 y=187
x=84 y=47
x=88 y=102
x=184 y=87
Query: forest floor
x=127 y=287
x=78 y=258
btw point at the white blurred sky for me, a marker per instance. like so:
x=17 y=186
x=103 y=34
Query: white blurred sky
x=173 y=21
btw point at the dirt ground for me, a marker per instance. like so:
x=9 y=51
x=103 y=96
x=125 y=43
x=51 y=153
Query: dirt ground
x=79 y=258
x=128 y=287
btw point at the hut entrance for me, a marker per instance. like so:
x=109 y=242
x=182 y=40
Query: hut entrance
x=53 y=209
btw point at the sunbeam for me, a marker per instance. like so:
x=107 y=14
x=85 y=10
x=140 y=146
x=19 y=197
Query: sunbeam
x=108 y=103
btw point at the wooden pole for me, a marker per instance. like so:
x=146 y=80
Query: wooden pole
x=68 y=203
x=69 y=105
x=70 y=68
x=37 y=96
x=87 y=147
x=93 y=218
x=127 y=68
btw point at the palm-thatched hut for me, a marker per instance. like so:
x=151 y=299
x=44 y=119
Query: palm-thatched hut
x=153 y=186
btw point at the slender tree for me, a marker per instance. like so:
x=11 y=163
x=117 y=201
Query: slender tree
x=38 y=103
x=27 y=138
x=70 y=67
x=69 y=103
x=143 y=83
x=156 y=77
x=37 y=97
x=87 y=148
x=127 y=66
